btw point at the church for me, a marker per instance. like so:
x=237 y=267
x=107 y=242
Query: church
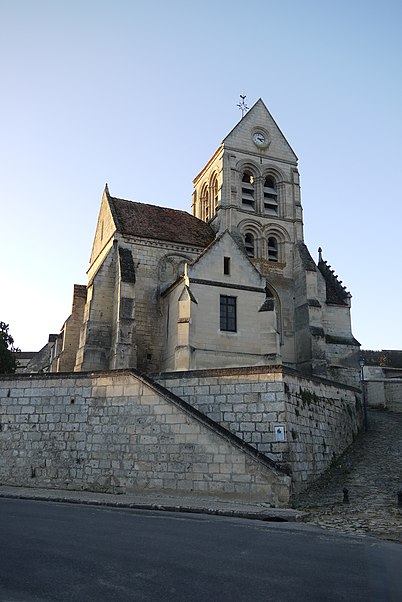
x=230 y=285
x=208 y=353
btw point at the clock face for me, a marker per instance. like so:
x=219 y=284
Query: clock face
x=259 y=139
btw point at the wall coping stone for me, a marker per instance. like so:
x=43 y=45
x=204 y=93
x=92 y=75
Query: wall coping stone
x=245 y=370
x=320 y=380
x=242 y=370
x=396 y=380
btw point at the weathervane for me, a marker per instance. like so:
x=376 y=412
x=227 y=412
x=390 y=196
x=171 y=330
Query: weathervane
x=242 y=105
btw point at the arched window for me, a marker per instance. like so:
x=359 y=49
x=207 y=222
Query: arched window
x=272 y=249
x=205 y=204
x=249 y=245
x=270 y=196
x=247 y=190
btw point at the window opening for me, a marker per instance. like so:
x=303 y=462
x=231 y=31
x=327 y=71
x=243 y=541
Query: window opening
x=247 y=190
x=226 y=265
x=272 y=249
x=249 y=245
x=205 y=204
x=215 y=193
x=228 y=318
x=270 y=196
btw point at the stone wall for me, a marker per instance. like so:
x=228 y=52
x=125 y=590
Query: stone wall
x=96 y=331
x=246 y=401
x=224 y=432
x=157 y=265
x=120 y=432
x=320 y=418
x=195 y=336
x=393 y=394
x=385 y=393
x=65 y=361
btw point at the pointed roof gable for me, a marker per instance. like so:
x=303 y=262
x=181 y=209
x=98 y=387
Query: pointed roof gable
x=105 y=227
x=209 y=263
x=259 y=117
x=160 y=223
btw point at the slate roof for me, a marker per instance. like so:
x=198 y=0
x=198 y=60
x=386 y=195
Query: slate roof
x=336 y=293
x=160 y=223
x=307 y=261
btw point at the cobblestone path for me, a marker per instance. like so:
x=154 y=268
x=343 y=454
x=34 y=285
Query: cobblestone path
x=371 y=470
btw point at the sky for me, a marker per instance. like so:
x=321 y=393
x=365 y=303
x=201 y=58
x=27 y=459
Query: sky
x=139 y=94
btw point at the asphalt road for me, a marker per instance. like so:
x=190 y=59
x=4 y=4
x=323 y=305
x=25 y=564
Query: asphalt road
x=62 y=552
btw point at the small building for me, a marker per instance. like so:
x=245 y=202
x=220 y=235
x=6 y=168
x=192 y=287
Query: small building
x=383 y=379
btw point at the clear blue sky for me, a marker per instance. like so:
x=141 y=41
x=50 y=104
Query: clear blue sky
x=139 y=94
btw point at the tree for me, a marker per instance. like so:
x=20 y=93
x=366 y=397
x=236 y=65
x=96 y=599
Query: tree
x=8 y=360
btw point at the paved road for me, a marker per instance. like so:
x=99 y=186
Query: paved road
x=61 y=552
x=372 y=473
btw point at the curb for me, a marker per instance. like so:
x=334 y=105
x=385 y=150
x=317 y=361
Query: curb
x=263 y=515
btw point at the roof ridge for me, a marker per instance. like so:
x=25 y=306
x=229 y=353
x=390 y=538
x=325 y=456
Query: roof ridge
x=117 y=198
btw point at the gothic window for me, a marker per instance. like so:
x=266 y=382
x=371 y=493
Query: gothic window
x=272 y=249
x=247 y=190
x=228 y=318
x=249 y=244
x=270 y=196
x=226 y=266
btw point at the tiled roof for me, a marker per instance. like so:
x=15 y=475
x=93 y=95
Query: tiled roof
x=160 y=223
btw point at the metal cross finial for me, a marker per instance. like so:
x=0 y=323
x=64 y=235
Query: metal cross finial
x=242 y=105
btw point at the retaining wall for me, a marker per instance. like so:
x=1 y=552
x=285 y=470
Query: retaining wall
x=120 y=432
x=320 y=418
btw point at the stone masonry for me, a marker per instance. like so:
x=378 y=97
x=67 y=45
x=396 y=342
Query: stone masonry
x=320 y=418
x=120 y=432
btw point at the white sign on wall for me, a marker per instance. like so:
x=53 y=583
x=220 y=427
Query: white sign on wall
x=280 y=433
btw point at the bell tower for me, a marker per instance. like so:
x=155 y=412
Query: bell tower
x=250 y=186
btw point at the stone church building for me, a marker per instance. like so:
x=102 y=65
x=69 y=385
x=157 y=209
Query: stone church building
x=231 y=285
